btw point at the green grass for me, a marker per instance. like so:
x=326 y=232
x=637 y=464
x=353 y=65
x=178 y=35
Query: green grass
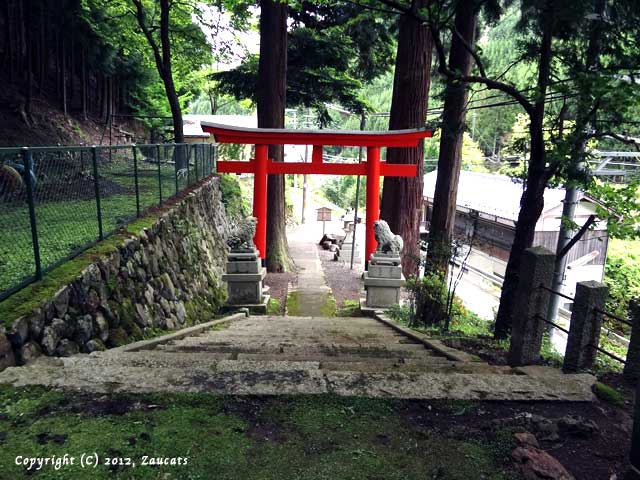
x=67 y=225
x=30 y=297
x=317 y=437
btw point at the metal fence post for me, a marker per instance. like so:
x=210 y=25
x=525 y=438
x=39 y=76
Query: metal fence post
x=175 y=169
x=96 y=184
x=631 y=371
x=26 y=158
x=187 y=154
x=530 y=302
x=633 y=473
x=159 y=175
x=195 y=160
x=585 y=327
x=135 y=178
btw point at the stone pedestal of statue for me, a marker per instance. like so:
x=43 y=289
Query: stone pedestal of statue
x=383 y=280
x=244 y=277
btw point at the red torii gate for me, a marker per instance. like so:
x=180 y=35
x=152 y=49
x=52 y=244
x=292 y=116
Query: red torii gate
x=261 y=166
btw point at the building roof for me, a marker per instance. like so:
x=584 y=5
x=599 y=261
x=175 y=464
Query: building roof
x=497 y=195
x=192 y=126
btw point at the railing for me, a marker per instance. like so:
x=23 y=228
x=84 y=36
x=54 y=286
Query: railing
x=598 y=311
x=56 y=202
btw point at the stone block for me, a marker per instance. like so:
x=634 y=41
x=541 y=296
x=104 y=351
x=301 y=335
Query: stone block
x=244 y=288
x=379 y=258
x=385 y=271
x=585 y=326
x=244 y=256
x=632 y=367
x=530 y=303
x=382 y=292
x=7 y=358
x=250 y=266
x=382 y=297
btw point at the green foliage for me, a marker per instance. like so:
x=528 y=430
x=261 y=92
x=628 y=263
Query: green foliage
x=430 y=297
x=472 y=156
x=125 y=50
x=235 y=204
x=347 y=50
x=622 y=276
x=608 y=394
x=341 y=191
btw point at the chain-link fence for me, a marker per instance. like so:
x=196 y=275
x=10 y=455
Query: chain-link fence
x=56 y=202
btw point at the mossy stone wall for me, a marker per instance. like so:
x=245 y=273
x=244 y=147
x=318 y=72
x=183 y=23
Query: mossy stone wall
x=164 y=277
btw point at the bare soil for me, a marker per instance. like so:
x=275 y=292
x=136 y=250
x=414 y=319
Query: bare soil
x=278 y=284
x=346 y=284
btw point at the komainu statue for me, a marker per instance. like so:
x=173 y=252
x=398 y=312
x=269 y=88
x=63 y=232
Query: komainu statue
x=387 y=241
x=241 y=235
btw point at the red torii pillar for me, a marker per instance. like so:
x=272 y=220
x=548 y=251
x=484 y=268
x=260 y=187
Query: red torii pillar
x=261 y=166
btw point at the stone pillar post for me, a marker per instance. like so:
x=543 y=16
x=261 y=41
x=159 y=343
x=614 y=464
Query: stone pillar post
x=632 y=367
x=634 y=456
x=585 y=326
x=531 y=302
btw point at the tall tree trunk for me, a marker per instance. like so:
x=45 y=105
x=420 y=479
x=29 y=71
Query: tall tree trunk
x=44 y=57
x=271 y=94
x=63 y=58
x=408 y=110
x=29 y=60
x=83 y=85
x=452 y=134
x=532 y=201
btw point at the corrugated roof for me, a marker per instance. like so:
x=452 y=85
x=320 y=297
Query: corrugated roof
x=497 y=195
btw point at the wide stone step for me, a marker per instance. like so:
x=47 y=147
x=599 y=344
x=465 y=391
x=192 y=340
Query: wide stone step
x=341 y=358
x=439 y=366
x=382 y=351
x=95 y=377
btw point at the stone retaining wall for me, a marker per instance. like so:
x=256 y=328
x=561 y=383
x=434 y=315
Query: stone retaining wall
x=165 y=277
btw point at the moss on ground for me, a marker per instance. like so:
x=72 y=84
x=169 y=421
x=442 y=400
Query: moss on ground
x=274 y=307
x=608 y=394
x=30 y=297
x=293 y=304
x=316 y=437
x=329 y=308
x=349 y=308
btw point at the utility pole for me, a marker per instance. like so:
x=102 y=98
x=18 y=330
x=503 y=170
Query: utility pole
x=571 y=195
x=304 y=184
x=306 y=124
x=363 y=123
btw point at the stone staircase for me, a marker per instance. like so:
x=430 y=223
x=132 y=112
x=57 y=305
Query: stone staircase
x=300 y=355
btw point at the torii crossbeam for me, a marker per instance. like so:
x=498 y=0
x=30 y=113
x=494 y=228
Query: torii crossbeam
x=262 y=166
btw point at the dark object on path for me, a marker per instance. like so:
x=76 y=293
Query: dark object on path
x=328 y=238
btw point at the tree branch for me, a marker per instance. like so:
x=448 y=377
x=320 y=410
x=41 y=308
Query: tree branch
x=141 y=17
x=490 y=83
x=590 y=221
